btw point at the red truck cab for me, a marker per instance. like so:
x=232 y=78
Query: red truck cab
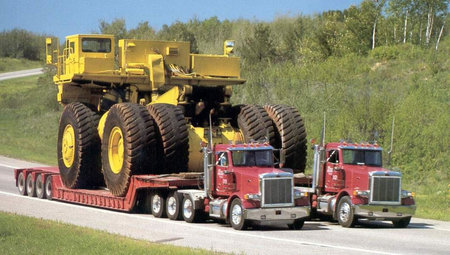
x=351 y=183
x=243 y=186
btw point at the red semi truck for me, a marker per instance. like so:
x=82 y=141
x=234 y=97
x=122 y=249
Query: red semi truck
x=350 y=183
x=240 y=185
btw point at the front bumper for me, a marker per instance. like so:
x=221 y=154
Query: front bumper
x=279 y=215
x=384 y=212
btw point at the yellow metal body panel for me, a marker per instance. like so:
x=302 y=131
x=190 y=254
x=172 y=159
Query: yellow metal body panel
x=101 y=125
x=156 y=68
x=224 y=134
x=136 y=51
x=170 y=97
x=215 y=65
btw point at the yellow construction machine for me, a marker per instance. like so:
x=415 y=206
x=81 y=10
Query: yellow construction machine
x=144 y=107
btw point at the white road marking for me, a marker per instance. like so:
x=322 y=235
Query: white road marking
x=224 y=231
x=10 y=166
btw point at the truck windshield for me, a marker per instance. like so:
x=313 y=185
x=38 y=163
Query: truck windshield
x=102 y=45
x=362 y=157
x=252 y=158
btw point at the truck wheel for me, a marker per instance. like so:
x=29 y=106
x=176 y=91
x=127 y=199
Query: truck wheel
x=173 y=206
x=40 y=193
x=345 y=215
x=237 y=215
x=401 y=223
x=79 y=147
x=31 y=186
x=290 y=135
x=189 y=214
x=48 y=187
x=21 y=184
x=127 y=143
x=297 y=225
x=158 y=205
x=172 y=137
x=255 y=124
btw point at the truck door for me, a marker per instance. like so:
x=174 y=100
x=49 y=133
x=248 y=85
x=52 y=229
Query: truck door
x=70 y=56
x=334 y=176
x=224 y=177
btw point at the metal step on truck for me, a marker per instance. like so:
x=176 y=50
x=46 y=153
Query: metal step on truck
x=239 y=185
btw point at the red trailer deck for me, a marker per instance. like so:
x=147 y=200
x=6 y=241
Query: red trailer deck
x=98 y=197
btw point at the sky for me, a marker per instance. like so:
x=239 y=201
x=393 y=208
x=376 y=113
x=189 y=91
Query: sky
x=62 y=17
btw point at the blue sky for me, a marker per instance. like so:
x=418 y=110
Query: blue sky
x=63 y=17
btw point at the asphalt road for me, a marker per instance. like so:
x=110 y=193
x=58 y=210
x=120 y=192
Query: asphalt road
x=18 y=74
x=317 y=237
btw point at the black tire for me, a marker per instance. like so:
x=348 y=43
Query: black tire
x=255 y=124
x=158 y=203
x=130 y=128
x=290 y=135
x=173 y=206
x=82 y=169
x=21 y=184
x=402 y=223
x=40 y=192
x=236 y=214
x=48 y=187
x=30 y=186
x=172 y=137
x=191 y=215
x=297 y=225
x=345 y=215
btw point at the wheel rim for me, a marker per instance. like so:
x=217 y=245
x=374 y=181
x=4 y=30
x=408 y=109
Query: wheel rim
x=39 y=185
x=21 y=183
x=156 y=204
x=236 y=214
x=344 y=212
x=68 y=146
x=48 y=187
x=187 y=208
x=171 y=205
x=115 y=150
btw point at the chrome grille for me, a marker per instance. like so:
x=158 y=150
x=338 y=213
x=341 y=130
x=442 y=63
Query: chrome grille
x=277 y=192
x=385 y=189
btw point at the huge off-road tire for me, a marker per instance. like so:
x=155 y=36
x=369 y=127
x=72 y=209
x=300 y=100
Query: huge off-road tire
x=290 y=135
x=172 y=137
x=79 y=147
x=128 y=139
x=255 y=124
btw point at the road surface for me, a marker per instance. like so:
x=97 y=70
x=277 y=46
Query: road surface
x=19 y=74
x=317 y=237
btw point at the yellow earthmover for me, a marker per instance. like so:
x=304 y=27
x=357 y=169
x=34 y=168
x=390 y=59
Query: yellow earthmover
x=145 y=107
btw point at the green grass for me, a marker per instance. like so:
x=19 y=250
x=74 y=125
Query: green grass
x=14 y=64
x=29 y=117
x=26 y=235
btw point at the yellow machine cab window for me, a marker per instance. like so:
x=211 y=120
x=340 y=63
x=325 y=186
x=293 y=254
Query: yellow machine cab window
x=102 y=45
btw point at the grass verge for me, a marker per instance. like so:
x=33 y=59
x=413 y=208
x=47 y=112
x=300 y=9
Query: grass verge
x=26 y=235
x=14 y=64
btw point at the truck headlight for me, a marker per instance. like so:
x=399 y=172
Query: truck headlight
x=361 y=193
x=406 y=194
x=256 y=197
x=299 y=193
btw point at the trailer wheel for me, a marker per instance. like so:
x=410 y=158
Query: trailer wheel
x=290 y=135
x=158 y=205
x=237 y=215
x=21 y=184
x=173 y=206
x=79 y=147
x=48 y=187
x=190 y=215
x=255 y=124
x=31 y=186
x=345 y=215
x=40 y=192
x=127 y=146
x=402 y=223
x=297 y=225
x=172 y=137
